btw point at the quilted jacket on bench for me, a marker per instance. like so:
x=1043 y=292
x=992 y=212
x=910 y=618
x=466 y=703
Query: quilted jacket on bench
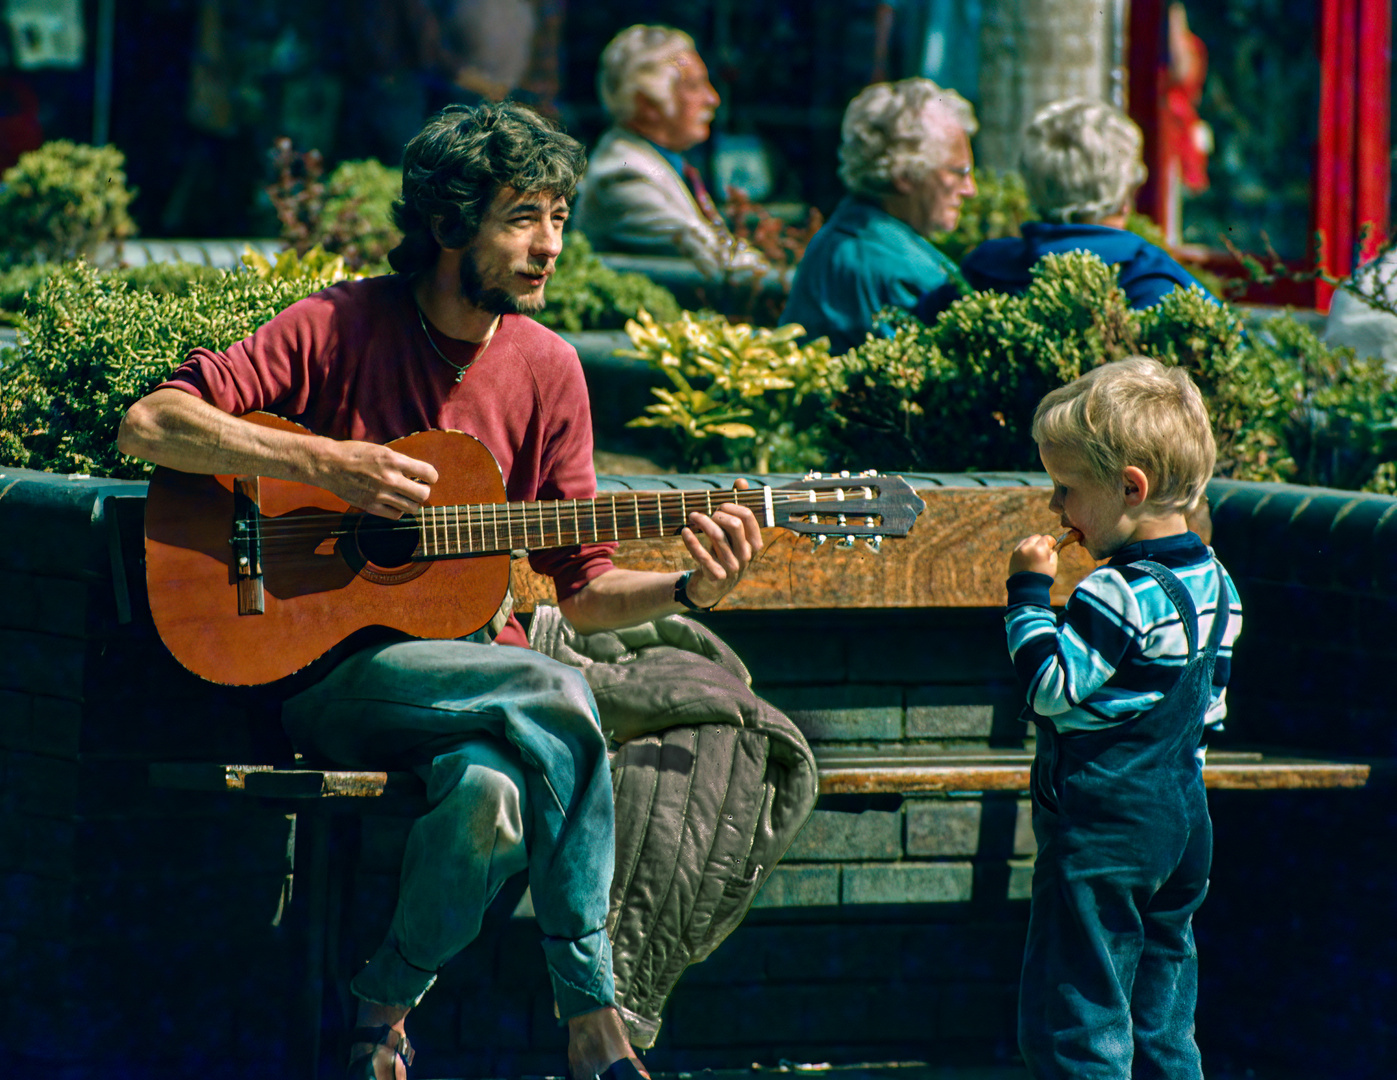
x=711 y=782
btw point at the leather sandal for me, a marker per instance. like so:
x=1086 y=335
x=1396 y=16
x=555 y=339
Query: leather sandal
x=362 y=1066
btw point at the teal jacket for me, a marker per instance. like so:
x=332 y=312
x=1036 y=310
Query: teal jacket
x=861 y=261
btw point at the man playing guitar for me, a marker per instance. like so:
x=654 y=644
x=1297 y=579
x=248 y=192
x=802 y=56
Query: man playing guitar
x=507 y=740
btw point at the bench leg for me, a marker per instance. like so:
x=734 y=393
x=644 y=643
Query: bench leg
x=313 y=868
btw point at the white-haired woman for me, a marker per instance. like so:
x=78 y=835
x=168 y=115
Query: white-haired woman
x=905 y=157
x=1081 y=164
x=640 y=195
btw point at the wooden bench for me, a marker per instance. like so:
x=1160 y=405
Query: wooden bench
x=842 y=772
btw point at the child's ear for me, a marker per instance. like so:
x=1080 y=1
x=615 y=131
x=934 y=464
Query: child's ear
x=1136 y=485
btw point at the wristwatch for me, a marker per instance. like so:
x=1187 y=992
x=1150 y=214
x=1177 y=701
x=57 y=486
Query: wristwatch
x=681 y=593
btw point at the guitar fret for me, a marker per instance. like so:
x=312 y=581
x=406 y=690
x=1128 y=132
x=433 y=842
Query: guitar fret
x=495 y=523
x=615 y=520
x=660 y=512
x=635 y=505
x=576 y=525
x=558 y=520
x=593 y=505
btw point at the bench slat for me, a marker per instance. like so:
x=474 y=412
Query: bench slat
x=852 y=772
x=841 y=773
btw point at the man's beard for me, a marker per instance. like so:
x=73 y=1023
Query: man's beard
x=494 y=300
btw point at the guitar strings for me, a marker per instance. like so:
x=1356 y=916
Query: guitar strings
x=626 y=508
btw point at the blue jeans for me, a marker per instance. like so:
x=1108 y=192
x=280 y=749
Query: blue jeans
x=515 y=764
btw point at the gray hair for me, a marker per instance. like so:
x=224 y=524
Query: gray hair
x=900 y=130
x=641 y=58
x=1081 y=160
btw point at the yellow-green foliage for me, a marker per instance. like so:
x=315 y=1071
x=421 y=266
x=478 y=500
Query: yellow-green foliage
x=95 y=344
x=586 y=294
x=998 y=207
x=960 y=395
x=317 y=267
x=742 y=396
x=61 y=201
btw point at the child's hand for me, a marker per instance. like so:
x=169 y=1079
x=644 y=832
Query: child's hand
x=1035 y=553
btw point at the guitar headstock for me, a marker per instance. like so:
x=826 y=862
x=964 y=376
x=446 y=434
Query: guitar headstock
x=850 y=507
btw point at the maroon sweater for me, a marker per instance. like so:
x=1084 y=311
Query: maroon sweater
x=352 y=362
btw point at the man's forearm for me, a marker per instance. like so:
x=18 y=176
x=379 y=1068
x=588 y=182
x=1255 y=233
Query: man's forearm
x=180 y=431
x=621 y=598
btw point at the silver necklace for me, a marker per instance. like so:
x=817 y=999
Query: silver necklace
x=461 y=369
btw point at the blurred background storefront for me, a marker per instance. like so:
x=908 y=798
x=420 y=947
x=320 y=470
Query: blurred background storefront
x=1265 y=120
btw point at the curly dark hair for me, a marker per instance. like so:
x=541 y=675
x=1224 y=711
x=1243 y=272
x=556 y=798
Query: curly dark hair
x=453 y=167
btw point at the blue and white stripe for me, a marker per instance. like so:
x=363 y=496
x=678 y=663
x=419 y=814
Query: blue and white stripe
x=1120 y=643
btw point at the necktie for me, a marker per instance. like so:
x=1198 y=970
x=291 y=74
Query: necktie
x=701 y=195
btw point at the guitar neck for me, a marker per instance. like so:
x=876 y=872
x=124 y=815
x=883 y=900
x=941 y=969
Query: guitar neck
x=489 y=528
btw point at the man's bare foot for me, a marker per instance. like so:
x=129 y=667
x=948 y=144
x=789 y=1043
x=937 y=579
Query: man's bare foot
x=597 y=1040
x=387 y=1064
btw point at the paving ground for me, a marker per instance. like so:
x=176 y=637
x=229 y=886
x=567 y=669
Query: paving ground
x=913 y=1070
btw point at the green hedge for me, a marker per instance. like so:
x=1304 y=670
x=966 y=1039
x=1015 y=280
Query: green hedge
x=960 y=394
x=95 y=343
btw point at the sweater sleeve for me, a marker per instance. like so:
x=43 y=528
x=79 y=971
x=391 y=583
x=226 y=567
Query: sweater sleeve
x=277 y=368
x=1061 y=664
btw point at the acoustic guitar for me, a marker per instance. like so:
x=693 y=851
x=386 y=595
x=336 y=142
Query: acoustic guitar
x=253 y=578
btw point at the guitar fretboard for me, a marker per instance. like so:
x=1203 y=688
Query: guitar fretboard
x=488 y=528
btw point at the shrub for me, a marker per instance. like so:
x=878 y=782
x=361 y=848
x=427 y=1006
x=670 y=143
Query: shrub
x=960 y=394
x=348 y=213
x=19 y=284
x=744 y=398
x=95 y=344
x=586 y=294
x=63 y=200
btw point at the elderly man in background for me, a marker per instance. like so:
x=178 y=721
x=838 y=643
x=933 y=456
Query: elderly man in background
x=640 y=195
x=905 y=158
x=1081 y=162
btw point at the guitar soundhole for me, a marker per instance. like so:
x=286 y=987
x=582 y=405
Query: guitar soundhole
x=382 y=550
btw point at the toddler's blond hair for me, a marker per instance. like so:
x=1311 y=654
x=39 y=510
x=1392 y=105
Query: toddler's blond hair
x=1137 y=412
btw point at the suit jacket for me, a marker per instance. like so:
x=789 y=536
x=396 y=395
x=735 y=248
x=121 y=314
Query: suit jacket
x=632 y=200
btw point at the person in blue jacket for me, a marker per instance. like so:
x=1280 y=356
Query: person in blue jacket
x=1081 y=164
x=905 y=158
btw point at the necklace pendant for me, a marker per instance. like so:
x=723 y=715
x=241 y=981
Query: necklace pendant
x=460 y=375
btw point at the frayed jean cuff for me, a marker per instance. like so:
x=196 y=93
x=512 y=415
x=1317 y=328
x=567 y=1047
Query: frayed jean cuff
x=390 y=980
x=581 y=974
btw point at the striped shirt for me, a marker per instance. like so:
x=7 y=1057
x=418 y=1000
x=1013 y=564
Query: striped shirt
x=1120 y=644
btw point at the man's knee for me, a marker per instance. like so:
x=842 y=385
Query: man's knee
x=487 y=808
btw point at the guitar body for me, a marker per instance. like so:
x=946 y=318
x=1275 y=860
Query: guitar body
x=326 y=570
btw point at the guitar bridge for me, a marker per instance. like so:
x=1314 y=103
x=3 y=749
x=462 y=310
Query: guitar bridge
x=247 y=545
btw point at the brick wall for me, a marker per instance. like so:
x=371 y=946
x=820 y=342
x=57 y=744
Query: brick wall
x=135 y=924
x=138 y=924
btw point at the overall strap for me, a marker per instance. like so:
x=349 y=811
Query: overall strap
x=1183 y=602
x=1222 y=614
x=1188 y=611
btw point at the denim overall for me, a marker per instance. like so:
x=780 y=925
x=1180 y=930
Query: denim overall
x=1110 y=975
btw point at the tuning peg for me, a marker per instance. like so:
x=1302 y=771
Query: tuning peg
x=817 y=540
x=843 y=520
x=845 y=542
x=869 y=472
x=875 y=544
x=843 y=473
